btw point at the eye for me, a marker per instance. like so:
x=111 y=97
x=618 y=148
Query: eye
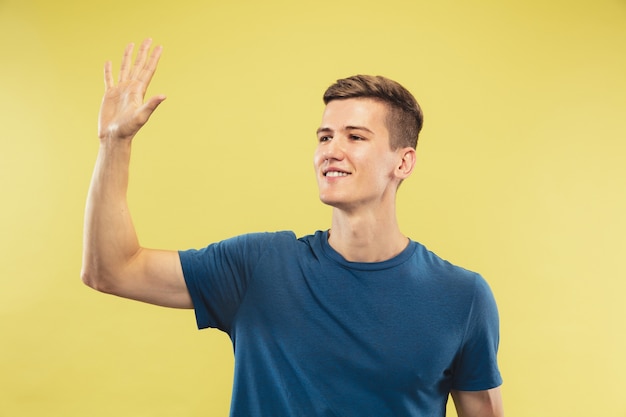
x=325 y=138
x=356 y=137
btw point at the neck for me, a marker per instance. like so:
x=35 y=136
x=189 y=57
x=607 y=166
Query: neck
x=366 y=237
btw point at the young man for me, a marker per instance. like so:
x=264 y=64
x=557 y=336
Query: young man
x=357 y=320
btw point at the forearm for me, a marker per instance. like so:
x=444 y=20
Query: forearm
x=110 y=240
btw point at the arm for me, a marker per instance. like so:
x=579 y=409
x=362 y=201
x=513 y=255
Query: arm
x=113 y=260
x=486 y=403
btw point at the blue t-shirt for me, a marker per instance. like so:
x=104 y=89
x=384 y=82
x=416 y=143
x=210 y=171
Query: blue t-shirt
x=316 y=335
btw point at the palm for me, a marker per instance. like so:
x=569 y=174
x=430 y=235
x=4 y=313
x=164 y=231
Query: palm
x=123 y=111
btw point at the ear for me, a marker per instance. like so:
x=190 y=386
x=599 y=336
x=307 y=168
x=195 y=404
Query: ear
x=407 y=162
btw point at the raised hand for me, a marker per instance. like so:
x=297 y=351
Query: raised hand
x=123 y=111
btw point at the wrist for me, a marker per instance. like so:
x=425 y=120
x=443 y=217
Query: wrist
x=114 y=140
x=114 y=145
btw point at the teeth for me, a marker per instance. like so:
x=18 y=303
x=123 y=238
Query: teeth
x=336 y=174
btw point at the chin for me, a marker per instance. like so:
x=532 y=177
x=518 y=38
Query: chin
x=334 y=202
x=327 y=200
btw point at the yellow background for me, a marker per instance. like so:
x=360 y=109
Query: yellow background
x=521 y=176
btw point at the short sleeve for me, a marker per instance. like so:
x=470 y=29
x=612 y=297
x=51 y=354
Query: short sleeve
x=217 y=277
x=476 y=366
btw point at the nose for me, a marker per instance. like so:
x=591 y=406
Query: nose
x=333 y=149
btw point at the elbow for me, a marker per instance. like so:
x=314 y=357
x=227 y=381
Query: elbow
x=88 y=278
x=95 y=279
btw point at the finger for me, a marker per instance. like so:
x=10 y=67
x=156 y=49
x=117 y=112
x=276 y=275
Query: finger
x=140 y=60
x=108 y=75
x=145 y=111
x=126 y=60
x=151 y=65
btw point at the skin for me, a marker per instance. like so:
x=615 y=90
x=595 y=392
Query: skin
x=486 y=403
x=352 y=140
x=113 y=260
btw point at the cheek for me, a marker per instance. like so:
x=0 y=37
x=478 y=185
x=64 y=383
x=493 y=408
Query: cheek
x=386 y=169
x=317 y=158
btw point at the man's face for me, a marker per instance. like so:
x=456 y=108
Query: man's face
x=354 y=163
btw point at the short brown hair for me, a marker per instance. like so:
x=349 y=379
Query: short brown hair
x=405 y=118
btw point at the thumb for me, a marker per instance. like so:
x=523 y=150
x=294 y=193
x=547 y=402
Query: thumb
x=145 y=111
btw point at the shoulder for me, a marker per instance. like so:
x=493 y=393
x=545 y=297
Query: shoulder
x=250 y=241
x=462 y=285
x=442 y=269
x=249 y=246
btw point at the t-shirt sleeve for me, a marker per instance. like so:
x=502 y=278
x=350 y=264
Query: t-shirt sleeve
x=477 y=367
x=217 y=277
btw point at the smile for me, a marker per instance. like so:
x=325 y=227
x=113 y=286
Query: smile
x=336 y=174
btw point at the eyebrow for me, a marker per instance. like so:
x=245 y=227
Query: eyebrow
x=329 y=130
x=324 y=130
